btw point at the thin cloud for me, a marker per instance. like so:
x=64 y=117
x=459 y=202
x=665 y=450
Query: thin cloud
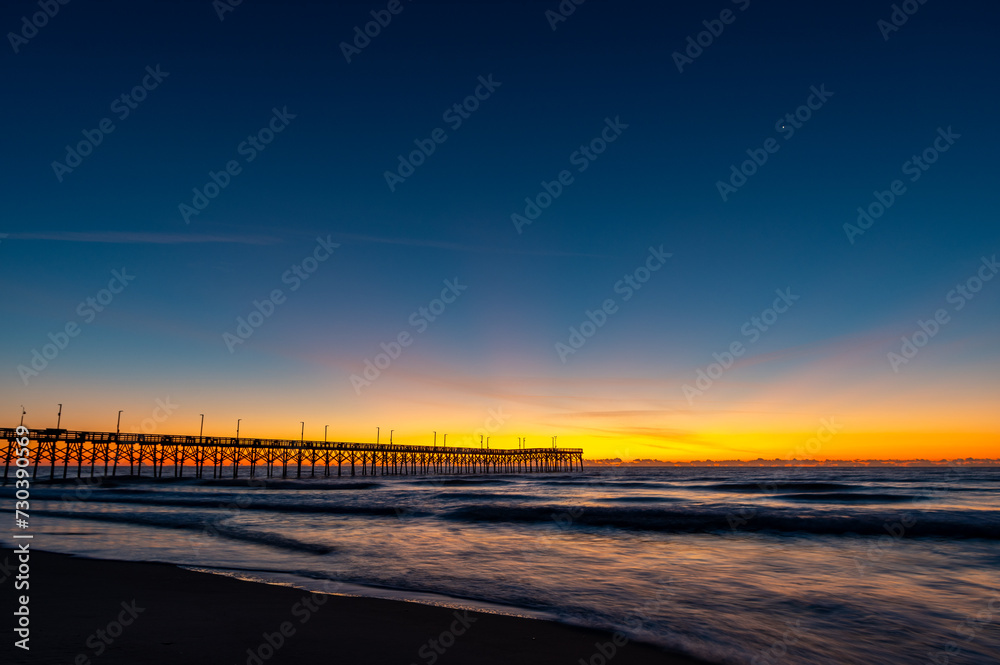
x=458 y=247
x=127 y=238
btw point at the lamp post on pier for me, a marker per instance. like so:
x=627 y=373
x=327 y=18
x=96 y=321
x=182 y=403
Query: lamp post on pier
x=114 y=469
x=302 y=445
x=390 y=436
x=59 y=417
x=324 y=432
x=201 y=430
x=238 y=430
x=23 y=413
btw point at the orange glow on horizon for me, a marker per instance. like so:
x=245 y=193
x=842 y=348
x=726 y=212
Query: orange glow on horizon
x=819 y=409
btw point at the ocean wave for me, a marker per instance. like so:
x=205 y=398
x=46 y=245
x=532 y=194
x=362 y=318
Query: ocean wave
x=208 y=525
x=637 y=499
x=768 y=486
x=849 y=497
x=483 y=496
x=941 y=524
x=290 y=484
x=483 y=480
x=124 y=483
x=609 y=483
x=239 y=502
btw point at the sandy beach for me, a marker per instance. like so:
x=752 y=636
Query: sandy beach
x=164 y=614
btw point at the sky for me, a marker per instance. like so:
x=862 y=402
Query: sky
x=714 y=231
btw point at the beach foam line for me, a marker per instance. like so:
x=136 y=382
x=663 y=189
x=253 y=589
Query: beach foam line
x=318 y=583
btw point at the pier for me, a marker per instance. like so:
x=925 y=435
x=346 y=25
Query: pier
x=110 y=453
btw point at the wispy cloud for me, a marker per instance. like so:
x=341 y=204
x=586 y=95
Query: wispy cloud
x=458 y=247
x=129 y=238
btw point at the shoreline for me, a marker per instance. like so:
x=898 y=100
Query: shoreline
x=360 y=590
x=157 y=613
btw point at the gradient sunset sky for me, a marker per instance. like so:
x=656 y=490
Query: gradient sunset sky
x=492 y=354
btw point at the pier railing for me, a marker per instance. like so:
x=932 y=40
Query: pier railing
x=111 y=450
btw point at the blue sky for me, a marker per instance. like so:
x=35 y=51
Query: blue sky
x=323 y=176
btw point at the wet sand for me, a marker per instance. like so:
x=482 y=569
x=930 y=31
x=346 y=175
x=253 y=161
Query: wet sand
x=87 y=611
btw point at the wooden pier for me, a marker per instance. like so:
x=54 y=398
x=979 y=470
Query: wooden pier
x=109 y=453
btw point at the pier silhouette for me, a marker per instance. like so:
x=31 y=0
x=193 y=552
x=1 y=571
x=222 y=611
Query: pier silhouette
x=108 y=453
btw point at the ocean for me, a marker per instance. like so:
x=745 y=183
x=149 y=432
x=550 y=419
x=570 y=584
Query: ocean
x=730 y=564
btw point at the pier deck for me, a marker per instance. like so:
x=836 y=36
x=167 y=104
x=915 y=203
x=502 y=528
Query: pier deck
x=108 y=453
